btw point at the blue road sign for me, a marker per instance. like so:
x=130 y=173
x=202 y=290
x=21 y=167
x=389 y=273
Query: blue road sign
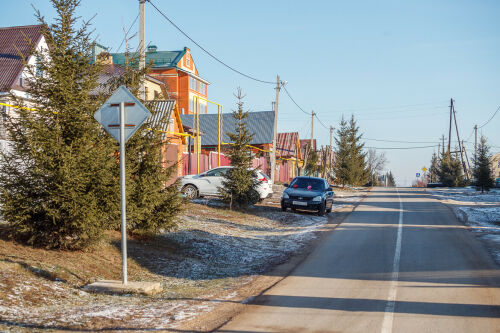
x=418 y=174
x=108 y=114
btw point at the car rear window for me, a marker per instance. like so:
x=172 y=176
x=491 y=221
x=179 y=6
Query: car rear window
x=316 y=184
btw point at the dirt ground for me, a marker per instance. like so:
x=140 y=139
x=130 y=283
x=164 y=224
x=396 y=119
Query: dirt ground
x=209 y=268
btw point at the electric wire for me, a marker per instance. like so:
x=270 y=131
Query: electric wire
x=397 y=141
x=402 y=148
x=205 y=50
x=301 y=109
x=126 y=34
x=493 y=116
x=316 y=115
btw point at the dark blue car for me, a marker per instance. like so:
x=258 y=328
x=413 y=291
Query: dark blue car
x=308 y=193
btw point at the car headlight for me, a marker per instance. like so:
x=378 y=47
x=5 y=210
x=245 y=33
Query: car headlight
x=285 y=196
x=317 y=198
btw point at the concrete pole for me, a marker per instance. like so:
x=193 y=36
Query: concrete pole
x=475 y=143
x=123 y=193
x=275 y=129
x=312 y=128
x=449 y=132
x=142 y=46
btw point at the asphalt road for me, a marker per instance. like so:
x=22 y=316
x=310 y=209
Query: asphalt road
x=401 y=262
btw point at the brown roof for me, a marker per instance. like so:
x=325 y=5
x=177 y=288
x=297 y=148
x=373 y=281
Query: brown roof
x=12 y=41
x=304 y=143
x=287 y=144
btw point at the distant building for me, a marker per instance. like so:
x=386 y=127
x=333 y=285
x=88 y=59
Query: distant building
x=495 y=165
x=178 y=71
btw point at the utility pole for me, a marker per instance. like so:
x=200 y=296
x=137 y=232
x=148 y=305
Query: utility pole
x=142 y=46
x=442 y=151
x=312 y=127
x=449 y=132
x=460 y=145
x=475 y=142
x=331 y=137
x=275 y=134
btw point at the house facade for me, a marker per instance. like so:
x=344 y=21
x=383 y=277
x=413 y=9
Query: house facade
x=16 y=45
x=179 y=73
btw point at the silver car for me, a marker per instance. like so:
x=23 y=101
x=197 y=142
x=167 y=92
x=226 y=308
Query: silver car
x=208 y=183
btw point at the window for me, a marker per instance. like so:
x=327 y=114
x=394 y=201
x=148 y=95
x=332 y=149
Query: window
x=202 y=88
x=39 y=71
x=192 y=83
x=191 y=104
x=188 y=61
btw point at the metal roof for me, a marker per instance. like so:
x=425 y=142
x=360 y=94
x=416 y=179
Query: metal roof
x=12 y=41
x=287 y=144
x=163 y=111
x=258 y=123
x=160 y=58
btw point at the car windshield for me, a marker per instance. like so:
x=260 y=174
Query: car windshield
x=308 y=183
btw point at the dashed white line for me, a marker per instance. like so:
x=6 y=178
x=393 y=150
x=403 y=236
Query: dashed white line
x=391 y=299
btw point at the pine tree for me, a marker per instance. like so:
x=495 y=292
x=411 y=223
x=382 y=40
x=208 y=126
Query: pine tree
x=59 y=182
x=450 y=172
x=434 y=169
x=240 y=182
x=482 y=167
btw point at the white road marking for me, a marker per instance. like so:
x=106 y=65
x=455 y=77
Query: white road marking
x=391 y=299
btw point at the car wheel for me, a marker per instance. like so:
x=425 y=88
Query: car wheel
x=254 y=197
x=322 y=210
x=190 y=191
x=294 y=209
x=283 y=208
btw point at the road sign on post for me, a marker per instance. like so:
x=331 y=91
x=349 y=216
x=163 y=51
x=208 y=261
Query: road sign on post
x=121 y=116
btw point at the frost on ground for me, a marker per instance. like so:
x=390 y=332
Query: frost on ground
x=481 y=211
x=212 y=254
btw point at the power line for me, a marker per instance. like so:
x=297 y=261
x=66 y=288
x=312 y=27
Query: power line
x=205 y=50
x=326 y=127
x=126 y=34
x=389 y=107
x=493 y=116
x=403 y=148
x=397 y=141
x=301 y=109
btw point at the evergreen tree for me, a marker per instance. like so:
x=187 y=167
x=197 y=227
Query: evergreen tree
x=351 y=165
x=59 y=187
x=240 y=182
x=341 y=167
x=60 y=180
x=450 y=172
x=434 y=169
x=313 y=166
x=482 y=167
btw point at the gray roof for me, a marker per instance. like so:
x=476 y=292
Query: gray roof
x=258 y=123
x=159 y=120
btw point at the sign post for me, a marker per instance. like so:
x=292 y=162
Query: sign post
x=122 y=125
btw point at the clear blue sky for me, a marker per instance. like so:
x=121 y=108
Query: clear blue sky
x=394 y=64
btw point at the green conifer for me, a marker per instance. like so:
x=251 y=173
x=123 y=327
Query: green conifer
x=240 y=182
x=482 y=168
x=450 y=172
x=434 y=169
x=313 y=167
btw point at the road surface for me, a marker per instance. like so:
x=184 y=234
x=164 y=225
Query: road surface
x=401 y=262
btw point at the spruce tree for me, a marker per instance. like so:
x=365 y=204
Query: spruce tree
x=482 y=168
x=59 y=187
x=240 y=182
x=341 y=167
x=450 y=172
x=391 y=182
x=434 y=169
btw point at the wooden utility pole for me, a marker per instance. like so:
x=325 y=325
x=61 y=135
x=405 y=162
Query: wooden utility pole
x=469 y=172
x=460 y=146
x=275 y=129
x=442 y=147
x=142 y=47
x=449 y=132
